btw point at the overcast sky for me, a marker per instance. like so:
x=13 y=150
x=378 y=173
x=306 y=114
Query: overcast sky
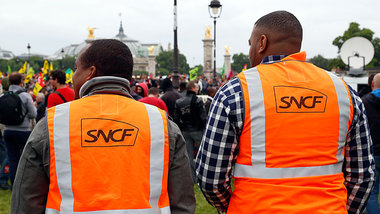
x=49 y=25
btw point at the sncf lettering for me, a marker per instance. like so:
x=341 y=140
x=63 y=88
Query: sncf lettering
x=288 y=101
x=101 y=132
x=111 y=135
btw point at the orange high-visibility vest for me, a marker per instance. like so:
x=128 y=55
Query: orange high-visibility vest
x=291 y=149
x=108 y=154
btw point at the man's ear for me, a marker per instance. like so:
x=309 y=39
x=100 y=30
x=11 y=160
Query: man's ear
x=263 y=43
x=92 y=72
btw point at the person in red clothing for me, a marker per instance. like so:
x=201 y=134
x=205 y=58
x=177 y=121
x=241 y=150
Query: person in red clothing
x=153 y=99
x=62 y=92
x=142 y=89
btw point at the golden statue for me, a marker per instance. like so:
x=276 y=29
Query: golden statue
x=227 y=49
x=208 y=32
x=151 y=50
x=91 y=32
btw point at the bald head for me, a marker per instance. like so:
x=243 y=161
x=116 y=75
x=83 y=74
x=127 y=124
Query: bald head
x=277 y=33
x=376 y=82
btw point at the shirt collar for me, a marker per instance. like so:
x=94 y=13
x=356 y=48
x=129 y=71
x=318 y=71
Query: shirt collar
x=300 y=56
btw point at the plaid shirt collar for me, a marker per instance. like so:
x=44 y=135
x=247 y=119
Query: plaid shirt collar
x=273 y=58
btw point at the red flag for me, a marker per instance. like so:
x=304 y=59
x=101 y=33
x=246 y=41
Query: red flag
x=230 y=75
x=40 y=80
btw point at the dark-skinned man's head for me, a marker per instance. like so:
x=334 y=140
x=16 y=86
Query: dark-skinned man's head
x=277 y=33
x=103 y=57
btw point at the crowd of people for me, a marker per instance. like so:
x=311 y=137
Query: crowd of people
x=294 y=137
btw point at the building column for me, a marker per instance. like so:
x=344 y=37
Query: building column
x=152 y=65
x=227 y=64
x=208 y=57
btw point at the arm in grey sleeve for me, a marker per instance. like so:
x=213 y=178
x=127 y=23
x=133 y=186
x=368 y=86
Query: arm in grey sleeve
x=32 y=111
x=180 y=184
x=31 y=185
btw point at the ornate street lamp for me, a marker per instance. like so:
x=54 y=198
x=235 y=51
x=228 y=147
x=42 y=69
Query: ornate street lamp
x=215 y=9
x=175 y=52
x=62 y=52
x=28 y=47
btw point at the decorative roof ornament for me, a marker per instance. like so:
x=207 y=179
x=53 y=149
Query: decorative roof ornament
x=208 y=32
x=227 y=49
x=121 y=34
x=91 y=32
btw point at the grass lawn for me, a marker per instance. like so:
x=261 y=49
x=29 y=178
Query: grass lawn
x=5 y=201
x=202 y=206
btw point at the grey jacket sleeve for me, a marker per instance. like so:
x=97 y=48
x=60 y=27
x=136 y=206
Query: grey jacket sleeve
x=31 y=109
x=180 y=184
x=31 y=185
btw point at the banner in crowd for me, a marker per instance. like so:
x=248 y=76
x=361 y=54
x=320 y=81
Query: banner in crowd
x=193 y=73
x=69 y=76
x=39 y=84
x=46 y=67
x=29 y=75
x=23 y=68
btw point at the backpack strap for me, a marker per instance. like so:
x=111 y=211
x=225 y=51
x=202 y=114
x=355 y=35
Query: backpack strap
x=59 y=94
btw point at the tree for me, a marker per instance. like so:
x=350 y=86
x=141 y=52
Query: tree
x=354 y=30
x=320 y=61
x=65 y=63
x=239 y=60
x=165 y=60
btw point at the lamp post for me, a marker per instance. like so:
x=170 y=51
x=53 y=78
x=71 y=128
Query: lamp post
x=27 y=65
x=62 y=52
x=215 y=9
x=175 y=52
x=28 y=47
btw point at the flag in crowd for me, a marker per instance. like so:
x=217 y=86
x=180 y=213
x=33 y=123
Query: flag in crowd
x=9 y=69
x=29 y=75
x=69 y=76
x=193 y=73
x=23 y=68
x=230 y=75
x=245 y=67
x=223 y=70
x=46 y=67
x=39 y=84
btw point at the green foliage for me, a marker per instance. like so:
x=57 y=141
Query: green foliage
x=35 y=62
x=140 y=73
x=165 y=60
x=163 y=72
x=354 y=30
x=65 y=63
x=320 y=61
x=239 y=60
x=335 y=63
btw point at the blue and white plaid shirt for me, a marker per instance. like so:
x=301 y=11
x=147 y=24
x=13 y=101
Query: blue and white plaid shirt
x=219 y=148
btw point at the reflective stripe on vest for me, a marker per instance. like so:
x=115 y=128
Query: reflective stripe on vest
x=61 y=161
x=165 y=210
x=258 y=167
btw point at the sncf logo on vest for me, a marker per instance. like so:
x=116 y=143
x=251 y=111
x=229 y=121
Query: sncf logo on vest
x=290 y=99
x=99 y=132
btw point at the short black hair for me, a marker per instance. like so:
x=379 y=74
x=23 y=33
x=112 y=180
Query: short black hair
x=281 y=21
x=15 y=78
x=111 y=57
x=182 y=85
x=58 y=75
